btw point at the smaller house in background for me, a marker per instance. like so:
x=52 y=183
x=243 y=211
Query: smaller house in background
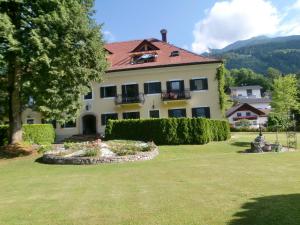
x=245 y=111
x=250 y=95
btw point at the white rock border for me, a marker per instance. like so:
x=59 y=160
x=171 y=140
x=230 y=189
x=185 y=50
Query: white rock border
x=140 y=156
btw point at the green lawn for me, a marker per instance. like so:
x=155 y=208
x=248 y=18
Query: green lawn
x=185 y=185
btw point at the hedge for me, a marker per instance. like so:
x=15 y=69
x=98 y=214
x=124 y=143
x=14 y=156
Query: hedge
x=33 y=133
x=38 y=133
x=169 y=131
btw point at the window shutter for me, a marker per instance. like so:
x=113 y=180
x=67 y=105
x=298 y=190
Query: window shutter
x=102 y=92
x=102 y=119
x=146 y=88
x=181 y=85
x=168 y=86
x=124 y=90
x=194 y=111
x=115 y=91
x=192 y=85
x=205 y=84
x=159 y=87
x=207 y=112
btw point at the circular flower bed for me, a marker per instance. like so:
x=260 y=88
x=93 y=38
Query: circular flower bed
x=97 y=152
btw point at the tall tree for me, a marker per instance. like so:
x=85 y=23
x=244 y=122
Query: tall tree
x=52 y=50
x=285 y=97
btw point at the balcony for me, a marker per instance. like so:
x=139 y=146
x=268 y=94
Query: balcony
x=129 y=100
x=175 y=95
x=244 y=117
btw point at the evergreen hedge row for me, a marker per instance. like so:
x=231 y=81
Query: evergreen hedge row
x=169 y=131
x=33 y=133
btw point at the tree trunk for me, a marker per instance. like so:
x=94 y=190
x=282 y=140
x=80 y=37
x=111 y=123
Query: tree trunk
x=15 y=120
x=14 y=77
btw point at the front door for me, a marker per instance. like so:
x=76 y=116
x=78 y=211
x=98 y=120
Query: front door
x=89 y=125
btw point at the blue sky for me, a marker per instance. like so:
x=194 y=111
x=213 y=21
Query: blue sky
x=197 y=25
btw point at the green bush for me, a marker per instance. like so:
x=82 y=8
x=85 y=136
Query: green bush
x=38 y=133
x=169 y=131
x=3 y=135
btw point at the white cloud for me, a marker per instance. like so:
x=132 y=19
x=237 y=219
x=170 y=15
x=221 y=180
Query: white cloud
x=232 y=20
x=108 y=36
x=296 y=5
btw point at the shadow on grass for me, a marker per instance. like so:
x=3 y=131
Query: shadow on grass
x=271 y=210
x=243 y=144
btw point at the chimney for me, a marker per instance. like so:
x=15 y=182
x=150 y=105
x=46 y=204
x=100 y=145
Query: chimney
x=164 y=35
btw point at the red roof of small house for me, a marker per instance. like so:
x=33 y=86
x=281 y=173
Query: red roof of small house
x=245 y=107
x=121 y=54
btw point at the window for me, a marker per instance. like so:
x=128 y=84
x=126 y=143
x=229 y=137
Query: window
x=154 y=113
x=152 y=87
x=131 y=115
x=176 y=113
x=249 y=92
x=248 y=113
x=239 y=114
x=108 y=116
x=175 y=86
x=69 y=124
x=53 y=122
x=108 y=92
x=201 y=112
x=174 y=53
x=199 y=84
x=254 y=122
x=88 y=96
x=143 y=58
x=30 y=121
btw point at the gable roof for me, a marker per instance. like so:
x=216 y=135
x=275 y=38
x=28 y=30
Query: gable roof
x=244 y=107
x=143 y=43
x=254 y=100
x=121 y=56
x=246 y=87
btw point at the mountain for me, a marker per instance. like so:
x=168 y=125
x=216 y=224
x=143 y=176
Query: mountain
x=260 y=53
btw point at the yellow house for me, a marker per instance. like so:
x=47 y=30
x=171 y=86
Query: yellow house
x=146 y=79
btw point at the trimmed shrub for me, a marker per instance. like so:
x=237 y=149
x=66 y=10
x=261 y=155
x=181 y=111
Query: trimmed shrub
x=169 y=131
x=3 y=135
x=38 y=133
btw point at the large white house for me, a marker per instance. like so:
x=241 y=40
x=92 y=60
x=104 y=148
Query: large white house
x=250 y=95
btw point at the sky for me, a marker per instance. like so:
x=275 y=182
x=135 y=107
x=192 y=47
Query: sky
x=197 y=25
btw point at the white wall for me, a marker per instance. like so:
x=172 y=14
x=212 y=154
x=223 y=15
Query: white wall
x=256 y=93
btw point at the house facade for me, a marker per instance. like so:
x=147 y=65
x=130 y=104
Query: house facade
x=244 y=111
x=250 y=95
x=146 y=79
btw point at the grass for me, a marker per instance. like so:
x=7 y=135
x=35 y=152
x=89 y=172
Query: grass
x=185 y=185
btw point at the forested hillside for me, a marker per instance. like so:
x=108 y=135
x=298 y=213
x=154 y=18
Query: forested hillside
x=258 y=54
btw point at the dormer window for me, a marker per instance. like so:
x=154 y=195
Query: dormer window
x=143 y=58
x=174 y=53
x=145 y=46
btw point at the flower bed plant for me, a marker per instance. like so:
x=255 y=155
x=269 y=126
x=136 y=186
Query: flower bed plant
x=125 y=147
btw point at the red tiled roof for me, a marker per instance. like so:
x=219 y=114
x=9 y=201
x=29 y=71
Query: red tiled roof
x=120 y=59
x=244 y=107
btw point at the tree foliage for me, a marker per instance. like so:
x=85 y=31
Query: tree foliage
x=221 y=86
x=285 y=95
x=52 y=51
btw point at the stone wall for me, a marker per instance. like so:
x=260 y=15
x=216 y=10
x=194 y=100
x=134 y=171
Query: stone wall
x=141 y=156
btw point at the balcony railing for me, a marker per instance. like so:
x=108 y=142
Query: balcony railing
x=175 y=95
x=245 y=117
x=123 y=99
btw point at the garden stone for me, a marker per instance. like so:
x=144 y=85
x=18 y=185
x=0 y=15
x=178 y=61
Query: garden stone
x=105 y=152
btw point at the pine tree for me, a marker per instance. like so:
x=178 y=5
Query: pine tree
x=52 y=50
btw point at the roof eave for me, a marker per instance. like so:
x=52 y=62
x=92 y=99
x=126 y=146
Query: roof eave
x=161 y=66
